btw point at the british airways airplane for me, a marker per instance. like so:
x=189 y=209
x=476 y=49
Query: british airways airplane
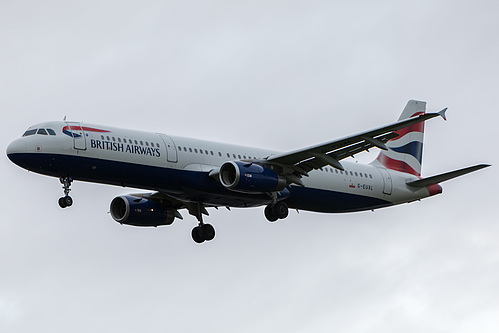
x=192 y=174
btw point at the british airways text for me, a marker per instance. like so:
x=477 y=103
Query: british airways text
x=125 y=148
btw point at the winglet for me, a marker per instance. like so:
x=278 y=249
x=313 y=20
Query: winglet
x=442 y=113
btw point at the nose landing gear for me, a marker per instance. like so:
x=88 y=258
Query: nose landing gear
x=66 y=200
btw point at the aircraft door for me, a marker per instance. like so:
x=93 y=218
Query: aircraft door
x=171 y=149
x=387 y=181
x=78 y=134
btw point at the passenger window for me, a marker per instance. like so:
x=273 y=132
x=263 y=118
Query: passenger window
x=220 y=154
x=102 y=137
x=114 y=139
x=195 y=150
x=200 y=151
x=228 y=155
x=42 y=131
x=141 y=143
x=147 y=144
x=51 y=131
x=370 y=176
x=136 y=142
x=356 y=175
x=360 y=175
x=157 y=145
x=119 y=139
x=190 y=150
x=108 y=139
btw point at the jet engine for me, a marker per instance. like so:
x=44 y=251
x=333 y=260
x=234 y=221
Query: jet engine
x=140 y=212
x=250 y=178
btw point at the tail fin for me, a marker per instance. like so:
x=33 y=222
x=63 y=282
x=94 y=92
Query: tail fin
x=405 y=152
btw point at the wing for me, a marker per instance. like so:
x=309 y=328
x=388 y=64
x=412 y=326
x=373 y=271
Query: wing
x=302 y=161
x=169 y=200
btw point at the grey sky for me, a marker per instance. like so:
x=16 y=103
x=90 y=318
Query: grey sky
x=276 y=74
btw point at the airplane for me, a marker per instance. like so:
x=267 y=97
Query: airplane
x=192 y=174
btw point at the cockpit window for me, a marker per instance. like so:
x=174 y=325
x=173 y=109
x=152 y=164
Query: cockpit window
x=40 y=131
x=30 y=132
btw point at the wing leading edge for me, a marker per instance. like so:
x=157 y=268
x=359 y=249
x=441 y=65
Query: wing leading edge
x=304 y=160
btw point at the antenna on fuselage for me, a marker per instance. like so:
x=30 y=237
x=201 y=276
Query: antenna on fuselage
x=64 y=118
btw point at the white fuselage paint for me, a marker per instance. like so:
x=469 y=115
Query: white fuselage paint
x=129 y=146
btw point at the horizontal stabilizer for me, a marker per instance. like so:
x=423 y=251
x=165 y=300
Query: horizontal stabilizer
x=445 y=176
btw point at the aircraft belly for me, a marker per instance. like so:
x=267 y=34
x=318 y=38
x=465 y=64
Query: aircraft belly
x=189 y=185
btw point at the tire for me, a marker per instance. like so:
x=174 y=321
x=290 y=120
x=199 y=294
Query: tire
x=270 y=214
x=208 y=232
x=68 y=201
x=62 y=203
x=281 y=210
x=196 y=235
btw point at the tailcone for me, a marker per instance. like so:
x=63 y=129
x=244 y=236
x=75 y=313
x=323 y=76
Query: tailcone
x=434 y=189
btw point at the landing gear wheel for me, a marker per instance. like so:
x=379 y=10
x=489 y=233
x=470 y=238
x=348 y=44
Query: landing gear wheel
x=208 y=232
x=275 y=212
x=270 y=214
x=65 y=201
x=281 y=210
x=197 y=235
x=204 y=232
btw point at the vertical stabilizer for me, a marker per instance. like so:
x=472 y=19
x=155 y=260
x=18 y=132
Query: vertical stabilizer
x=405 y=152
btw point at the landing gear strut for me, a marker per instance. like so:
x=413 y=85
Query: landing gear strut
x=274 y=212
x=66 y=200
x=203 y=232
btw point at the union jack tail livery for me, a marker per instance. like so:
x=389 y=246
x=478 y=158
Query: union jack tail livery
x=405 y=152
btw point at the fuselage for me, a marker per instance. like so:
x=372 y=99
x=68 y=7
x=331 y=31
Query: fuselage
x=180 y=167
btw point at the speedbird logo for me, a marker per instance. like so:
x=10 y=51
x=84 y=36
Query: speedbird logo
x=72 y=131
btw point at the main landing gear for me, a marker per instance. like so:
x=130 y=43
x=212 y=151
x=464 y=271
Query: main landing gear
x=66 y=200
x=203 y=232
x=277 y=211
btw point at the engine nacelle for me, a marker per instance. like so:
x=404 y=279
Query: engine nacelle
x=250 y=178
x=140 y=212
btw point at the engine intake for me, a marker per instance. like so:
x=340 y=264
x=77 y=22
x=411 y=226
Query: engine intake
x=140 y=212
x=250 y=178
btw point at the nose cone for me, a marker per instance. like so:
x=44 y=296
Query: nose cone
x=16 y=148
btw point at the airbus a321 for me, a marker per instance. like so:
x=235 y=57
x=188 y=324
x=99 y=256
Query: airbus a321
x=194 y=175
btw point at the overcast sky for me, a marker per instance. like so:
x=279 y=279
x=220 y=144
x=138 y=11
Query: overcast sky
x=276 y=74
